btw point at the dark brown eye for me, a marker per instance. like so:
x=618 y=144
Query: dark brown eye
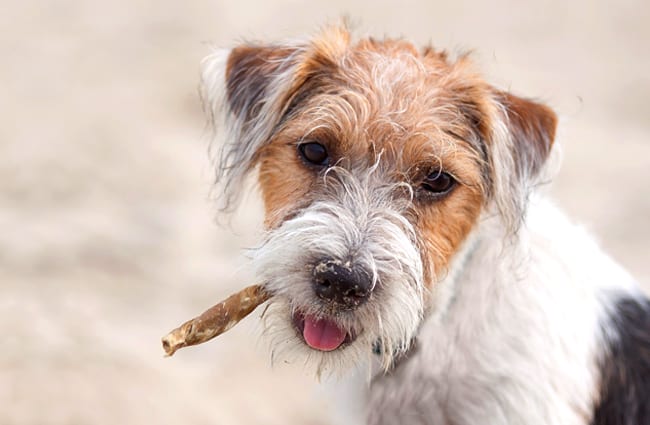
x=438 y=183
x=314 y=153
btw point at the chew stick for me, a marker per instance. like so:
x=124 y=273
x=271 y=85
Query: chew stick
x=216 y=320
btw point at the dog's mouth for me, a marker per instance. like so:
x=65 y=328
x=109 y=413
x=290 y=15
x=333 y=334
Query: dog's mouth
x=321 y=333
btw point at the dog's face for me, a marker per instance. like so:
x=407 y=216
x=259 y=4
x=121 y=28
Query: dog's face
x=375 y=162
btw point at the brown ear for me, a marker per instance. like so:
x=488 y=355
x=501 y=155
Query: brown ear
x=250 y=74
x=532 y=129
x=245 y=93
x=522 y=137
x=248 y=92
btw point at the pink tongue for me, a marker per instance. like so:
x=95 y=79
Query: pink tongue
x=322 y=334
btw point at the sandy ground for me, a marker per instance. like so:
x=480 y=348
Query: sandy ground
x=107 y=232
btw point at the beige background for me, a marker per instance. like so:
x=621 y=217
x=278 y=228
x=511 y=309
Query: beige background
x=107 y=237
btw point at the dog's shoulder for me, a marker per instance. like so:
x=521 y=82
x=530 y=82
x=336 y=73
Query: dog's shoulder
x=625 y=383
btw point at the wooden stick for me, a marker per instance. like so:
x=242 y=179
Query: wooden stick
x=216 y=320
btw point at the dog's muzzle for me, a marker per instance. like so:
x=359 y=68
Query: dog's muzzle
x=340 y=286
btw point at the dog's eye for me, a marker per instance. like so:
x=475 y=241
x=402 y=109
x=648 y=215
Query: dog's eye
x=438 y=183
x=314 y=153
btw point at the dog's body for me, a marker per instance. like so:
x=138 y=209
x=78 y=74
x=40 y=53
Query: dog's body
x=524 y=339
x=401 y=238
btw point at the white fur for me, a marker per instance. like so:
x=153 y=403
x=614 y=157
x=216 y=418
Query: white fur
x=360 y=223
x=519 y=341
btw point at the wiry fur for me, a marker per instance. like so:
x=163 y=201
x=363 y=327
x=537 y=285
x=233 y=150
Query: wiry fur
x=509 y=305
x=242 y=135
x=355 y=224
x=509 y=350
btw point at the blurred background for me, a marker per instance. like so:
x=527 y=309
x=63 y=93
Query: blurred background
x=107 y=231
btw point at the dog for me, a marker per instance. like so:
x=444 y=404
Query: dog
x=406 y=242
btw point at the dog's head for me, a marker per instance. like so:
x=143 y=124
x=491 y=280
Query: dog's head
x=375 y=161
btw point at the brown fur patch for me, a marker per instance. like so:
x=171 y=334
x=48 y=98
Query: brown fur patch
x=414 y=124
x=385 y=102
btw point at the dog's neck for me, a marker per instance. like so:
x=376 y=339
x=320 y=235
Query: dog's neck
x=491 y=237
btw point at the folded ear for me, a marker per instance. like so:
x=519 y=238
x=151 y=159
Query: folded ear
x=532 y=131
x=247 y=91
x=522 y=136
x=252 y=75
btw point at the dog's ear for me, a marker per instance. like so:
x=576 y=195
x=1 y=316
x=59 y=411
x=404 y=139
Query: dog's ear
x=532 y=131
x=245 y=92
x=249 y=90
x=252 y=74
x=522 y=137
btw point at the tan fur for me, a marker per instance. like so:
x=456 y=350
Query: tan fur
x=357 y=122
x=384 y=101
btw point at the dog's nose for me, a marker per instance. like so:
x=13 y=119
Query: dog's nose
x=341 y=283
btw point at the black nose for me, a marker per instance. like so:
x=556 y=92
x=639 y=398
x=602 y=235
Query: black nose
x=338 y=282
